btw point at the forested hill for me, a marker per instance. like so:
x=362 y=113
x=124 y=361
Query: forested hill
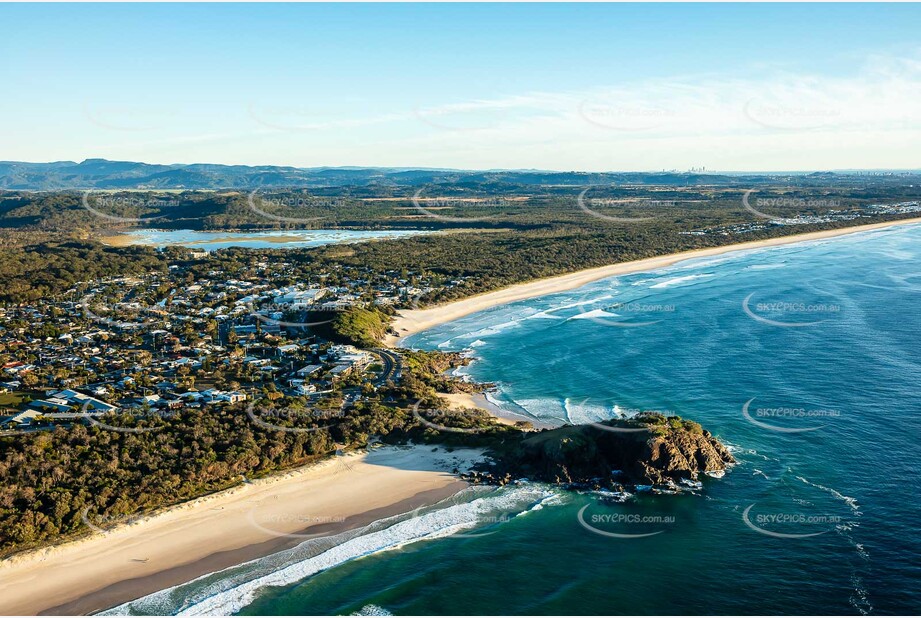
x=104 y=174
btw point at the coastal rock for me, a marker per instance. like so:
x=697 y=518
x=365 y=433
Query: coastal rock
x=681 y=454
x=650 y=449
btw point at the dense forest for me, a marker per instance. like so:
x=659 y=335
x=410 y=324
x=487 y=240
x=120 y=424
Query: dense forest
x=513 y=234
x=487 y=202
x=46 y=269
x=56 y=481
x=52 y=478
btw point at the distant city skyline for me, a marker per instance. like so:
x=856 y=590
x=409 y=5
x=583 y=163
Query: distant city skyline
x=690 y=170
x=723 y=87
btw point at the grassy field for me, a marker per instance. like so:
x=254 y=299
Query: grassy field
x=14 y=399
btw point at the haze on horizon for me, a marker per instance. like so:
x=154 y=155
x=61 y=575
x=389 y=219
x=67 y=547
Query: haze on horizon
x=552 y=87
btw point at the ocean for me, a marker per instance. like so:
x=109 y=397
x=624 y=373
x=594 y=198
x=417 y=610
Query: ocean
x=805 y=359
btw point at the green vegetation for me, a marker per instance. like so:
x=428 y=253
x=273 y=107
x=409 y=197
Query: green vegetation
x=425 y=372
x=63 y=483
x=535 y=230
x=13 y=399
x=360 y=326
x=36 y=271
x=50 y=478
x=659 y=424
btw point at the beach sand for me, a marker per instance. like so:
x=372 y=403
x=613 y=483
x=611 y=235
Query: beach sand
x=118 y=240
x=227 y=528
x=478 y=401
x=410 y=322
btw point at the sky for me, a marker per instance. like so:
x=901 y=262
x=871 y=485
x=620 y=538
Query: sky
x=595 y=87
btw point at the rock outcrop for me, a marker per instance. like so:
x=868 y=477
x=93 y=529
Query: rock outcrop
x=649 y=449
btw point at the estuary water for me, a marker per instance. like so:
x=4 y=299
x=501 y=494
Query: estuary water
x=278 y=239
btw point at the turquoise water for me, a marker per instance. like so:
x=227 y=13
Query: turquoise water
x=293 y=239
x=821 y=340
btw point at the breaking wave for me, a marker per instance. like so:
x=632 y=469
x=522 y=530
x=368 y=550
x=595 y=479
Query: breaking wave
x=679 y=280
x=227 y=592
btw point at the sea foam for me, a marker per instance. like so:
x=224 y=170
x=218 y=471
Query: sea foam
x=217 y=595
x=679 y=280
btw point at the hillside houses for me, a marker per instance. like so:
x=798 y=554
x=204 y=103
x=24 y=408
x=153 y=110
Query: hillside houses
x=196 y=336
x=346 y=359
x=298 y=299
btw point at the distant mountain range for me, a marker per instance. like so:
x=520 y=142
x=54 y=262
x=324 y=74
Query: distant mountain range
x=105 y=174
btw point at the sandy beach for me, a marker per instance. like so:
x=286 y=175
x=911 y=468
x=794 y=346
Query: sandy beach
x=461 y=401
x=478 y=401
x=410 y=322
x=227 y=528
x=117 y=240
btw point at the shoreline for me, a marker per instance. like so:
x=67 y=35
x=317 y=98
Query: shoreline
x=413 y=321
x=221 y=530
x=271 y=236
x=479 y=401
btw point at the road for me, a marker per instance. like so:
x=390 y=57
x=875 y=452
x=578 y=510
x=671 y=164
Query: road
x=393 y=366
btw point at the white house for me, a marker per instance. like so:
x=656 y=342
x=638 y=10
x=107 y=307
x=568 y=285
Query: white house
x=300 y=299
x=81 y=400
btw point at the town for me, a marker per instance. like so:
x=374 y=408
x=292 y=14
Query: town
x=156 y=344
x=832 y=215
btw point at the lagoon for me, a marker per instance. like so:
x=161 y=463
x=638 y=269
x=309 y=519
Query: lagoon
x=274 y=239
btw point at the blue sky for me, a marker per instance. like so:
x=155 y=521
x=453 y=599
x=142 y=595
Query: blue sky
x=594 y=87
